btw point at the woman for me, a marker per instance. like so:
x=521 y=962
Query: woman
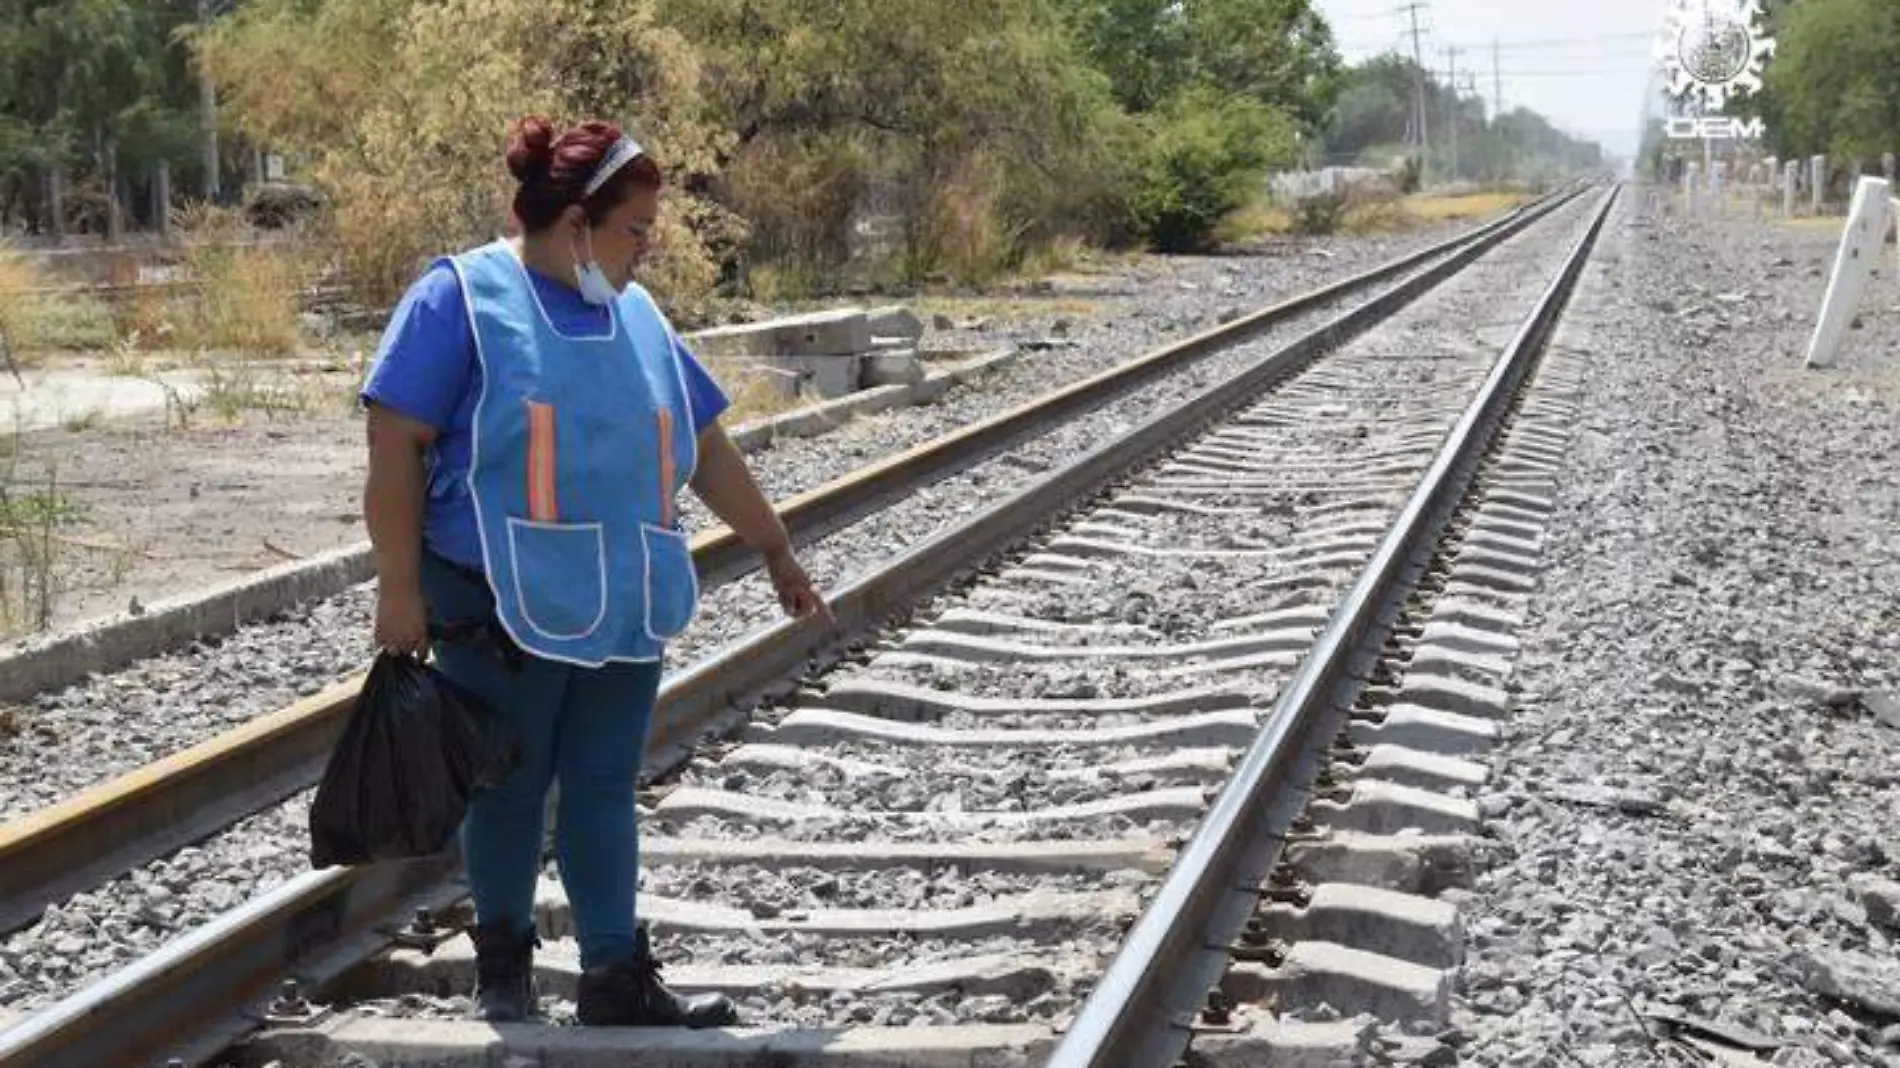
x=532 y=416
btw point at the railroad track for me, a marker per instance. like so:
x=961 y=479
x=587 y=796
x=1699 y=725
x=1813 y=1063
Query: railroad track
x=1280 y=506
x=103 y=829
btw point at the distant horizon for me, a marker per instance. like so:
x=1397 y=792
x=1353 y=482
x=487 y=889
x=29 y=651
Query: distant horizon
x=1589 y=72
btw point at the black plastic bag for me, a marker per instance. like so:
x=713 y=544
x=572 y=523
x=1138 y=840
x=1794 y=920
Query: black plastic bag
x=417 y=747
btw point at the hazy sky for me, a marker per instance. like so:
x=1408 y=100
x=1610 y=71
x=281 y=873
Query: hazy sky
x=1584 y=64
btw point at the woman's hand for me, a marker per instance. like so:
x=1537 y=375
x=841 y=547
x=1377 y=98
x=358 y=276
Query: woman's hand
x=796 y=594
x=402 y=622
x=724 y=483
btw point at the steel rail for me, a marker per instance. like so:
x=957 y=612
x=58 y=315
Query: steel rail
x=202 y=991
x=1136 y=1015
x=115 y=826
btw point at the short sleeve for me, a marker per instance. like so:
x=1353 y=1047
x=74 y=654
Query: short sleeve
x=703 y=395
x=426 y=359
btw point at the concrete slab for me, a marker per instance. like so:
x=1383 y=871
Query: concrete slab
x=1003 y=650
x=1406 y=926
x=1405 y=863
x=900 y=701
x=1176 y=768
x=1293 y=1044
x=450 y=971
x=688 y=802
x=900 y=367
x=1045 y=916
x=456 y=1044
x=1448 y=693
x=1064 y=857
x=1425 y=771
x=1322 y=972
x=1412 y=727
x=838 y=332
x=1483 y=668
x=895 y=321
x=1384 y=808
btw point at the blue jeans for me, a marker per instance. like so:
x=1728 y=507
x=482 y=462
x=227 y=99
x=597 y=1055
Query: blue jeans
x=586 y=728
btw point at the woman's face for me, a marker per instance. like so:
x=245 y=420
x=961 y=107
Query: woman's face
x=622 y=237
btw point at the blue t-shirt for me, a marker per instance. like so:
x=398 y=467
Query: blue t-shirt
x=426 y=368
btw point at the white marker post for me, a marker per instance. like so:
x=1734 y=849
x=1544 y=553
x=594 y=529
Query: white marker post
x=1717 y=172
x=1790 y=178
x=1691 y=181
x=1861 y=242
x=1817 y=174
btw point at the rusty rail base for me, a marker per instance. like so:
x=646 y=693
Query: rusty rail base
x=118 y=825
x=211 y=981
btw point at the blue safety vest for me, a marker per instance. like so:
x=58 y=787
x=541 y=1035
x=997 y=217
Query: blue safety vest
x=579 y=446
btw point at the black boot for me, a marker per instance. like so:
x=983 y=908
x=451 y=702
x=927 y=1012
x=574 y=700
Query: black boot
x=504 y=970
x=629 y=993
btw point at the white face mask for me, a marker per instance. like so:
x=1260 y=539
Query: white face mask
x=595 y=289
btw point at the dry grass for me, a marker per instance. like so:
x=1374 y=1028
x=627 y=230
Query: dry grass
x=1258 y=221
x=1003 y=309
x=1360 y=212
x=1432 y=208
x=1831 y=225
x=247 y=299
x=19 y=314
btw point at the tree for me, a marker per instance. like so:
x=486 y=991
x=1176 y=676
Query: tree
x=1833 y=84
x=976 y=121
x=100 y=89
x=400 y=109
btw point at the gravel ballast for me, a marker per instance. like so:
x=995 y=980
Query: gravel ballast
x=842 y=554
x=1718 y=636
x=63 y=741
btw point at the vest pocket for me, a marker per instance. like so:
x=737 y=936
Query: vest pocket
x=672 y=583
x=560 y=572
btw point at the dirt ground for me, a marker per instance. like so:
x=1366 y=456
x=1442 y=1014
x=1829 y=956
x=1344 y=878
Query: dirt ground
x=145 y=509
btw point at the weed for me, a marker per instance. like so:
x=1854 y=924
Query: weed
x=80 y=422
x=43 y=554
x=29 y=552
x=248 y=292
x=1320 y=214
x=230 y=392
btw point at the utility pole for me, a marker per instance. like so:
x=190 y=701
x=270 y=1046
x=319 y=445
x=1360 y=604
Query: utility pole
x=1424 y=139
x=1451 y=107
x=209 y=103
x=1497 y=81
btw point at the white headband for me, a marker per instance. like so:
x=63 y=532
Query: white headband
x=624 y=151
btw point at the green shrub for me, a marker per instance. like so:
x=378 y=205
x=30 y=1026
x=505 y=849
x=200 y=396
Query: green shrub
x=1202 y=157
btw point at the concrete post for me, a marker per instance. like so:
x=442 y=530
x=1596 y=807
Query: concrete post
x=1773 y=167
x=1717 y=172
x=1861 y=243
x=1691 y=184
x=1790 y=178
x=1887 y=162
x=1817 y=172
x=162 y=198
x=56 y=203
